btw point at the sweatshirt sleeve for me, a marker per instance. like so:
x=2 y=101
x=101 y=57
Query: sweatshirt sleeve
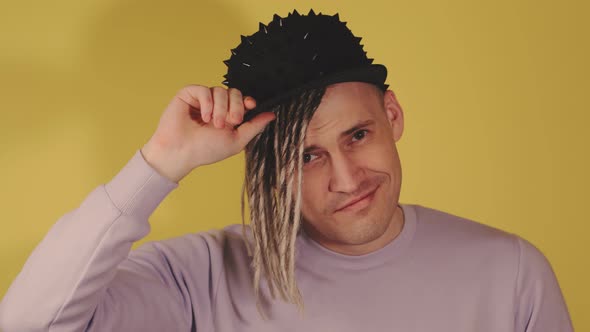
x=70 y=271
x=540 y=303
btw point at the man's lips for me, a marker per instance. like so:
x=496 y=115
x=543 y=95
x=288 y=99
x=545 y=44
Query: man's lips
x=356 y=199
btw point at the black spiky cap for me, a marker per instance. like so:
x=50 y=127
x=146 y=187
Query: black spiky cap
x=297 y=52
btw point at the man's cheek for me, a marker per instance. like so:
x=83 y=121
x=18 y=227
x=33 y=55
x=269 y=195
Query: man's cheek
x=308 y=205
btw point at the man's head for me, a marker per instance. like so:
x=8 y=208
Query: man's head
x=312 y=72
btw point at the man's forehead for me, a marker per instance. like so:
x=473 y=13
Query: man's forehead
x=343 y=106
x=325 y=125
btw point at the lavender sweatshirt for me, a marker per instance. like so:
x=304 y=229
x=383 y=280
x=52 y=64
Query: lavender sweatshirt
x=442 y=273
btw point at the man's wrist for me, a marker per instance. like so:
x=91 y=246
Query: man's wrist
x=162 y=164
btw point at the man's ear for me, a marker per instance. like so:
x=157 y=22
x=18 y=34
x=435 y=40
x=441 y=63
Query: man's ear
x=395 y=114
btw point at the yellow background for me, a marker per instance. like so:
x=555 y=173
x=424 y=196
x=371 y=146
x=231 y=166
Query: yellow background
x=494 y=93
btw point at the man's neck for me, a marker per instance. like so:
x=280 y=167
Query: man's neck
x=394 y=228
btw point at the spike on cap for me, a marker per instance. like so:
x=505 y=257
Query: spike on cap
x=311 y=12
x=246 y=40
x=262 y=27
x=296 y=13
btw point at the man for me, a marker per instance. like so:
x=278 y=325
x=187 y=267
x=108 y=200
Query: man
x=319 y=128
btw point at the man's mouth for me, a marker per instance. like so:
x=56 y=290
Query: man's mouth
x=358 y=202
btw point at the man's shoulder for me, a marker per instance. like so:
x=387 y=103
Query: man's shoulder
x=472 y=237
x=449 y=229
x=455 y=224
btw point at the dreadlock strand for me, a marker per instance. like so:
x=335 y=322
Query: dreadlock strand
x=278 y=222
x=314 y=100
x=275 y=208
x=288 y=154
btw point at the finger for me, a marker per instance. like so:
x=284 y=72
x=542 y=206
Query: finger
x=250 y=108
x=248 y=130
x=249 y=103
x=199 y=97
x=220 y=99
x=236 y=107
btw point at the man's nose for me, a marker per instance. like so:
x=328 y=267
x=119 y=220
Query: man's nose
x=345 y=176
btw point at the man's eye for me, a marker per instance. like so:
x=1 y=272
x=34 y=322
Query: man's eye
x=360 y=134
x=307 y=157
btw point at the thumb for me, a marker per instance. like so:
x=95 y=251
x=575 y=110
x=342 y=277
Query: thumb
x=247 y=130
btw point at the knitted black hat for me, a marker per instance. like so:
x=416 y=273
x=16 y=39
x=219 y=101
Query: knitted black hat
x=295 y=53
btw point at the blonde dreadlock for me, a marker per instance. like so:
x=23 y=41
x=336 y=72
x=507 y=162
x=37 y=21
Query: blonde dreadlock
x=272 y=160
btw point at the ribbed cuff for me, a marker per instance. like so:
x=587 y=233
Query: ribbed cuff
x=138 y=188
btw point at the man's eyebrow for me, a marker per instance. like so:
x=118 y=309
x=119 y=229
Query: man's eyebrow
x=344 y=133
x=356 y=127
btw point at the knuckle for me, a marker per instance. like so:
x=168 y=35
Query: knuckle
x=220 y=93
x=218 y=89
x=235 y=92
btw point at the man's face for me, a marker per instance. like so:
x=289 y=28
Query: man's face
x=350 y=153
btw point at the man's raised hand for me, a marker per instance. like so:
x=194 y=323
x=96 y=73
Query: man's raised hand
x=198 y=127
